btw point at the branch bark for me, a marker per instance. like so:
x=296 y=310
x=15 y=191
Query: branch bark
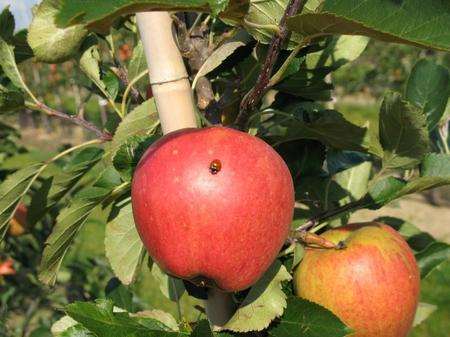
x=76 y=119
x=254 y=96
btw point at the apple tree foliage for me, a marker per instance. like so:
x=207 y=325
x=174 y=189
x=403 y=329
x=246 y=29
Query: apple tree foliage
x=338 y=166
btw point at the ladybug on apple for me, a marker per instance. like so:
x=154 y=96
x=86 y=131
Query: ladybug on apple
x=213 y=206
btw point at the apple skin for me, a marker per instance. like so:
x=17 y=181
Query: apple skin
x=372 y=285
x=221 y=229
x=18 y=224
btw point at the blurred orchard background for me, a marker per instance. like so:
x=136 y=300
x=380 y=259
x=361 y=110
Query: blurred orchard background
x=358 y=95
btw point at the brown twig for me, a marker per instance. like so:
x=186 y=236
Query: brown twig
x=122 y=73
x=76 y=119
x=254 y=96
x=311 y=239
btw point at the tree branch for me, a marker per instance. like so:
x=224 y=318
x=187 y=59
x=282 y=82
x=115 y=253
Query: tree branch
x=254 y=96
x=122 y=73
x=76 y=119
x=329 y=214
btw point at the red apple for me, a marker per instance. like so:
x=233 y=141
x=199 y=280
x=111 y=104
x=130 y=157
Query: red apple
x=372 y=284
x=213 y=206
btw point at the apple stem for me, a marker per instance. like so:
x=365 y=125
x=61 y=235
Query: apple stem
x=168 y=76
x=176 y=109
x=315 y=240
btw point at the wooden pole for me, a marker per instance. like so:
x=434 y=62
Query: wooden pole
x=168 y=76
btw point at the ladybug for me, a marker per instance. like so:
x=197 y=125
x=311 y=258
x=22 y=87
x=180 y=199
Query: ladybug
x=215 y=166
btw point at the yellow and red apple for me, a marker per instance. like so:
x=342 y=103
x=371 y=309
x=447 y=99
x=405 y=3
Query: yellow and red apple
x=372 y=284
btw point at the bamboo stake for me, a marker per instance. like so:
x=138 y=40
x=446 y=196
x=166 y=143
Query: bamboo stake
x=176 y=109
x=168 y=76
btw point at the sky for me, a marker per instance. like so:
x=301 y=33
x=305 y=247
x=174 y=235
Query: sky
x=21 y=10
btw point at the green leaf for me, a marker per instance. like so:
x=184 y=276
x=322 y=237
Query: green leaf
x=203 y=329
x=338 y=161
x=299 y=253
x=435 y=287
x=7 y=24
x=129 y=154
x=428 y=89
x=328 y=127
x=161 y=316
x=384 y=191
x=403 y=133
x=63 y=324
x=432 y=256
x=436 y=165
x=89 y=62
x=264 y=302
x=49 y=42
x=111 y=83
x=354 y=182
x=119 y=294
x=68 y=224
x=57 y=186
x=10 y=99
x=76 y=331
x=435 y=290
x=138 y=64
x=171 y=287
x=339 y=51
x=308 y=84
x=424 y=310
x=308 y=319
x=20 y=160
x=101 y=319
x=142 y=121
x=123 y=247
x=101 y=16
x=22 y=49
x=109 y=179
x=40 y=331
x=303 y=157
x=262 y=15
x=434 y=173
x=221 y=53
x=422 y=184
x=414 y=22
x=12 y=191
x=8 y=64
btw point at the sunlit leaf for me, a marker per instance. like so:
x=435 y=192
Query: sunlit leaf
x=428 y=88
x=101 y=319
x=51 y=43
x=308 y=319
x=123 y=247
x=142 y=121
x=171 y=287
x=415 y=22
x=68 y=224
x=264 y=302
x=403 y=132
x=12 y=191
